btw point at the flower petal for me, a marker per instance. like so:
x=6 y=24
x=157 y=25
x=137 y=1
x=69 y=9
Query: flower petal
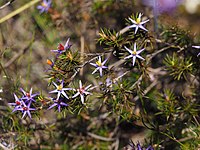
x=128 y=57
x=55 y=104
x=134 y=57
x=133 y=21
x=143 y=22
x=82 y=98
x=95 y=70
x=54 y=91
x=138 y=56
x=64 y=94
x=139 y=51
x=80 y=84
x=136 y=29
x=130 y=51
x=140 y=26
x=76 y=95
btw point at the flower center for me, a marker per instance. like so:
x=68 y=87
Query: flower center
x=138 y=20
x=61 y=47
x=134 y=52
x=59 y=88
x=18 y=103
x=25 y=108
x=28 y=95
x=99 y=63
x=82 y=90
x=44 y=5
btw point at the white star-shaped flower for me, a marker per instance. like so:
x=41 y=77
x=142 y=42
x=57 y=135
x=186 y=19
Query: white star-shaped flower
x=60 y=90
x=82 y=91
x=138 y=23
x=134 y=53
x=99 y=66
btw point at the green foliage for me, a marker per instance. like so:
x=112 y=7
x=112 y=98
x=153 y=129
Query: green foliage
x=178 y=67
x=177 y=36
x=109 y=38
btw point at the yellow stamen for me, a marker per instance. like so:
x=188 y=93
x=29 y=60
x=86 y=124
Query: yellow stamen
x=99 y=63
x=138 y=20
x=59 y=87
x=134 y=52
x=43 y=4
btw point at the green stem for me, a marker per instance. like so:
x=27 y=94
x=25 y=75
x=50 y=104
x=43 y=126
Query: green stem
x=172 y=138
x=1 y=66
x=19 y=10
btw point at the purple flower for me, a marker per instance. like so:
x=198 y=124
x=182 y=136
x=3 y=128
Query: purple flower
x=58 y=103
x=17 y=104
x=28 y=96
x=161 y=6
x=140 y=148
x=137 y=147
x=138 y=23
x=25 y=109
x=45 y=5
x=82 y=91
x=134 y=53
x=61 y=49
x=60 y=90
x=198 y=47
x=99 y=66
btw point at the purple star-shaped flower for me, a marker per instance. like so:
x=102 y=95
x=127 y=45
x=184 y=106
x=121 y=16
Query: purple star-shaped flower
x=45 y=5
x=82 y=91
x=17 y=104
x=59 y=103
x=28 y=96
x=61 y=49
x=60 y=90
x=138 y=23
x=134 y=53
x=140 y=148
x=26 y=109
x=99 y=66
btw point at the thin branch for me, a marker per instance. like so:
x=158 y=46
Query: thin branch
x=174 y=139
x=19 y=10
x=7 y=4
x=139 y=80
x=82 y=51
x=100 y=137
x=119 y=77
x=13 y=59
x=146 y=90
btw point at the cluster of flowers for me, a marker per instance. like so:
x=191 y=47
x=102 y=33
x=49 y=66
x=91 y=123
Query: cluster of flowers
x=23 y=104
x=137 y=23
x=82 y=91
